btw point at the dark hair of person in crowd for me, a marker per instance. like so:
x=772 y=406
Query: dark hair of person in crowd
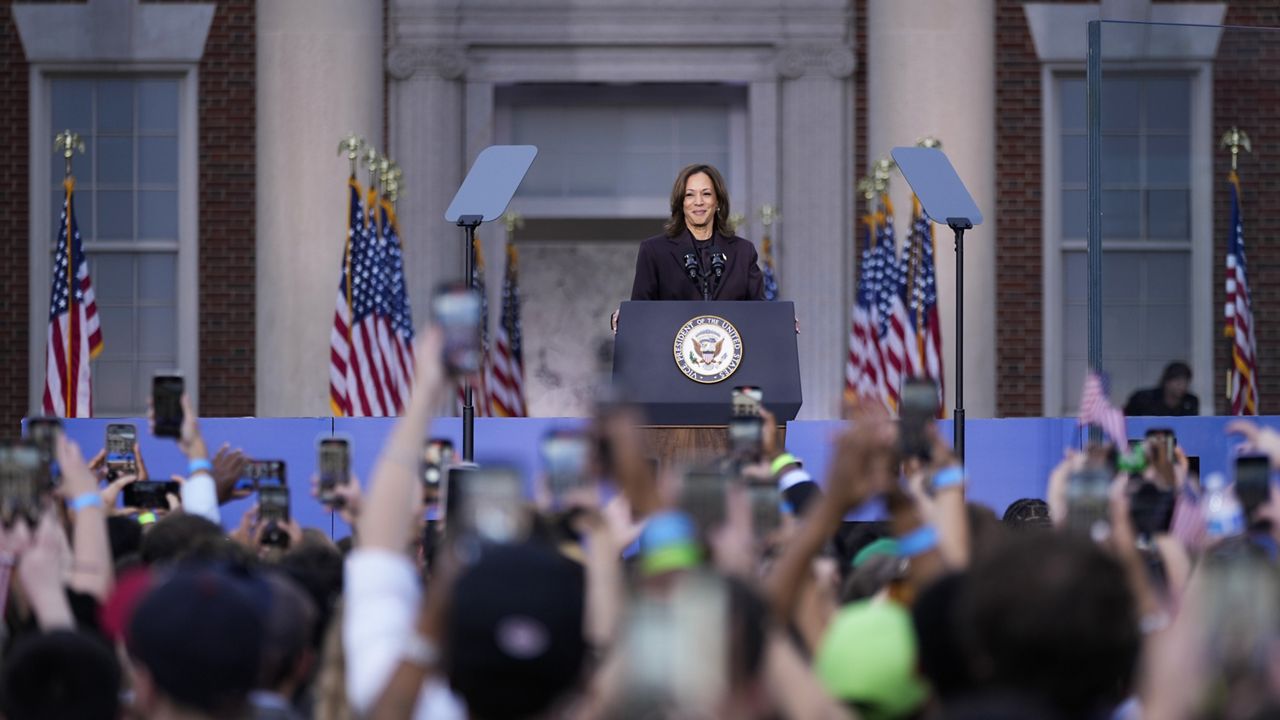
x=1028 y=514
x=196 y=641
x=1052 y=615
x=125 y=536
x=171 y=538
x=61 y=674
x=317 y=569
x=287 y=653
x=986 y=532
x=942 y=658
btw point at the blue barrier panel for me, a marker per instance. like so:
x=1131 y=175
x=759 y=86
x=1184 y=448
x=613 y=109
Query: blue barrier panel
x=505 y=441
x=1008 y=458
x=292 y=440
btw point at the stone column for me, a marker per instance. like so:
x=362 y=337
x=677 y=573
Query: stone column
x=931 y=71
x=817 y=127
x=319 y=78
x=428 y=141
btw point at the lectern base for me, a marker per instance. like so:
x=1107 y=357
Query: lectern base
x=675 y=446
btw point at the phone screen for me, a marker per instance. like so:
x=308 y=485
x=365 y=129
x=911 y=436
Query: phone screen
x=166 y=400
x=21 y=487
x=273 y=503
x=766 y=509
x=702 y=497
x=437 y=454
x=746 y=433
x=265 y=472
x=1088 y=502
x=487 y=503
x=747 y=401
x=43 y=434
x=1253 y=481
x=565 y=458
x=335 y=467
x=120 y=458
x=149 y=494
x=457 y=310
x=918 y=408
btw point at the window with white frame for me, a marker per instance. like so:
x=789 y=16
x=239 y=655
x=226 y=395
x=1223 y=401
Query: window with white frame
x=1148 y=222
x=127 y=206
x=609 y=151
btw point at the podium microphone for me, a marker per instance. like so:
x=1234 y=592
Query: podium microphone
x=691 y=266
x=717 y=264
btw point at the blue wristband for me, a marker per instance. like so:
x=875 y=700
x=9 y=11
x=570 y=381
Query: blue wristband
x=87 y=500
x=918 y=541
x=948 y=477
x=199 y=465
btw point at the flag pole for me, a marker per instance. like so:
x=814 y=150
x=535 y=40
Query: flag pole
x=351 y=146
x=68 y=143
x=1233 y=140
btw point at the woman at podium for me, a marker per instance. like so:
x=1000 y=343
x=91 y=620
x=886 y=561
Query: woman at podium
x=697 y=257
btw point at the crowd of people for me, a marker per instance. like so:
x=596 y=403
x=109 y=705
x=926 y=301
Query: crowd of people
x=644 y=591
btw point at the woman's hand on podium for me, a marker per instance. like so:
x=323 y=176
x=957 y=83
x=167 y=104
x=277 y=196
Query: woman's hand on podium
x=613 y=322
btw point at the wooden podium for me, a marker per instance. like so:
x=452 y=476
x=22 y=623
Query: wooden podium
x=681 y=446
x=679 y=362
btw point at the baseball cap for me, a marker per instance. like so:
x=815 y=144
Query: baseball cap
x=669 y=542
x=514 y=642
x=868 y=659
x=198 y=631
x=884 y=546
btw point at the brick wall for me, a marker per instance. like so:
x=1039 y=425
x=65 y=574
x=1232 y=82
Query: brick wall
x=14 y=239
x=1019 y=331
x=1247 y=94
x=227 y=212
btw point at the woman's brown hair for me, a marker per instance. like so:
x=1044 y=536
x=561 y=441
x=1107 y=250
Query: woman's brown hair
x=720 y=224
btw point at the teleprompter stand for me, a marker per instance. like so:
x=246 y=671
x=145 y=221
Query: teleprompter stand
x=483 y=197
x=944 y=199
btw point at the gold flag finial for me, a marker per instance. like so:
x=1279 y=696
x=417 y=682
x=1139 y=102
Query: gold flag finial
x=68 y=143
x=735 y=221
x=372 y=159
x=513 y=221
x=929 y=141
x=1233 y=140
x=881 y=172
x=769 y=215
x=350 y=146
x=867 y=186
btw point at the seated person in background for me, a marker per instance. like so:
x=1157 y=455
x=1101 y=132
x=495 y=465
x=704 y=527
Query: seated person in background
x=1169 y=398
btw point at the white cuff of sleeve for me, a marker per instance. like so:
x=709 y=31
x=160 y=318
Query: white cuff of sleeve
x=200 y=497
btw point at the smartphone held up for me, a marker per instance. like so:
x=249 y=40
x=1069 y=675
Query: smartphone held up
x=458 y=310
x=166 y=404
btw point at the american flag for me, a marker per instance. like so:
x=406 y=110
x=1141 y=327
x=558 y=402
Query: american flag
x=370 y=353
x=399 y=319
x=901 y=352
x=75 y=335
x=506 y=384
x=1239 y=315
x=480 y=391
x=923 y=301
x=864 y=368
x=1096 y=409
x=766 y=263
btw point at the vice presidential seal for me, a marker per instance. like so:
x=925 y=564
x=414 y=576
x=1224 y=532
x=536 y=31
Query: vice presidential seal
x=708 y=349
